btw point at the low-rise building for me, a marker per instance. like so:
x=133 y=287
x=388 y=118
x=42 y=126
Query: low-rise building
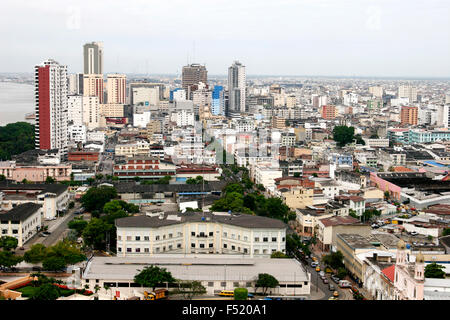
x=21 y=222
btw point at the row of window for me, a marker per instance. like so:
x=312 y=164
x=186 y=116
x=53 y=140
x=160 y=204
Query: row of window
x=201 y=246
x=201 y=234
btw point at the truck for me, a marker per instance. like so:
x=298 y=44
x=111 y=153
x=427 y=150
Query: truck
x=344 y=284
x=158 y=294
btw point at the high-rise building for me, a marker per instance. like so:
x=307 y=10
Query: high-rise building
x=51 y=106
x=328 y=112
x=93 y=86
x=409 y=115
x=376 y=91
x=192 y=75
x=75 y=109
x=236 y=88
x=91 y=112
x=75 y=84
x=116 y=88
x=93 y=58
x=408 y=91
x=318 y=101
x=218 y=101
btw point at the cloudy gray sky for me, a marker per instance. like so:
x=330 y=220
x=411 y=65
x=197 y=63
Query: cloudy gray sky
x=277 y=37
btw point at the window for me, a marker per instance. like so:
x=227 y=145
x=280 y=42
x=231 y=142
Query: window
x=225 y=234
x=245 y=250
x=164 y=236
x=178 y=245
x=146 y=250
x=128 y=249
x=138 y=249
x=119 y=237
x=223 y=284
x=210 y=284
x=248 y=284
x=170 y=235
x=210 y=245
x=192 y=245
x=202 y=245
x=265 y=239
x=274 y=239
x=225 y=245
x=193 y=234
x=138 y=238
x=236 y=284
x=119 y=249
x=128 y=238
x=256 y=239
x=233 y=248
x=256 y=251
x=211 y=234
x=147 y=238
x=157 y=238
x=170 y=247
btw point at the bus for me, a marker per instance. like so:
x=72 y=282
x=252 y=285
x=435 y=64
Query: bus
x=226 y=293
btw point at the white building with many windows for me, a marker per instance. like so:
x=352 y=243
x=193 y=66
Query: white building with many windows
x=199 y=232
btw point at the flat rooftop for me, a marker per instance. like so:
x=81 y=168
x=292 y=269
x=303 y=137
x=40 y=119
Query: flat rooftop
x=197 y=267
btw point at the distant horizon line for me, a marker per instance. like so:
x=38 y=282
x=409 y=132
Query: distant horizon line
x=267 y=76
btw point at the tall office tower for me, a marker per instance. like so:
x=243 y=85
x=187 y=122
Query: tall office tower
x=376 y=91
x=236 y=88
x=116 y=88
x=218 y=101
x=75 y=84
x=408 y=92
x=408 y=115
x=93 y=58
x=328 y=112
x=443 y=116
x=318 y=101
x=75 y=109
x=51 y=106
x=93 y=86
x=91 y=112
x=191 y=76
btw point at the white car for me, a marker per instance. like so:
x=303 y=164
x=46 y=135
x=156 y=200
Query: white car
x=414 y=233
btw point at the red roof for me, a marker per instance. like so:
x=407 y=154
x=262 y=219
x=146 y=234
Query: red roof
x=338 y=220
x=389 y=272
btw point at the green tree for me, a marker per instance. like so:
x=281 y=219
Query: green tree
x=352 y=213
x=334 y=260
x=54 y=263
x=343 y=135
x=233 y=188
x=278 y=255
x=66 y=250
x=341 y=273
x=95 y=233
x=446 y=232
x=50 y=180
x=8 y=259
x=151 y=276
x=189 y=289
x=434 y=270
x=8 y=243
x=46 y=291
x=240 y=294
x=95 y=198
x=2 y=177
x=78 y=225
x=16 y=138
x=266 y=281
x=99 y=176
x=71 y=205
x=35 y=254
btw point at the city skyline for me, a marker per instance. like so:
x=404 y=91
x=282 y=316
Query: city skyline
x=349 y=39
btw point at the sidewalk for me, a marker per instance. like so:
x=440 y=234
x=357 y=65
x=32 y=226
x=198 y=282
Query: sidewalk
x=316 y=295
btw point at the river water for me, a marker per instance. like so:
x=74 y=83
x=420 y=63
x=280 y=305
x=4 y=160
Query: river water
x=16 y=100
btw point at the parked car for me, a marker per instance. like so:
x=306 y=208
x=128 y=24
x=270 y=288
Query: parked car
x=335 y=278
x=336 y=294
x=325 y=280
x=414 y=233
x=344 y=284
x=331 y=287
x=333 y=298
x=317 y=268
x=46 y=233
x=322 y=274
x=323 y=277
x=314 y=264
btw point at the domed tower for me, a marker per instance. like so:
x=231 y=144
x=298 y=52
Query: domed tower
x=401 y=253
x=419 y=268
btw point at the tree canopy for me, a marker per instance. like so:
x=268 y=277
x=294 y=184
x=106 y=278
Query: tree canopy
x=334 y=260
x=152 y=275
x=434 y=270
x=96 y=197
x=16 y=138
x=343 y=135
x=266 y=281
x=47 y=291
x=8 y=243
x=8 y=259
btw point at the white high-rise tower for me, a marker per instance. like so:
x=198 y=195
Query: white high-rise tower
x=236 y=88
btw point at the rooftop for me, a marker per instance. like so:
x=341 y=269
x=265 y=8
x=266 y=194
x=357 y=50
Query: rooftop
x=20 y=212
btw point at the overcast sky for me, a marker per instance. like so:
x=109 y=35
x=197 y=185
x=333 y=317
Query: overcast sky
x=271 y=37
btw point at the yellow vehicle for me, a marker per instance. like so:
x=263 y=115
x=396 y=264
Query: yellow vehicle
x=336 y=294
x=314 y=258
x=226 y=293
x=155 y=295
x=317 y=268
x=332 y=298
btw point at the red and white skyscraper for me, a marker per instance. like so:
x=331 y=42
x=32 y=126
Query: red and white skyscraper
x=51 y=106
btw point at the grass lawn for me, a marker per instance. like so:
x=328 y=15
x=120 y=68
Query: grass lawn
x=28 y=291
